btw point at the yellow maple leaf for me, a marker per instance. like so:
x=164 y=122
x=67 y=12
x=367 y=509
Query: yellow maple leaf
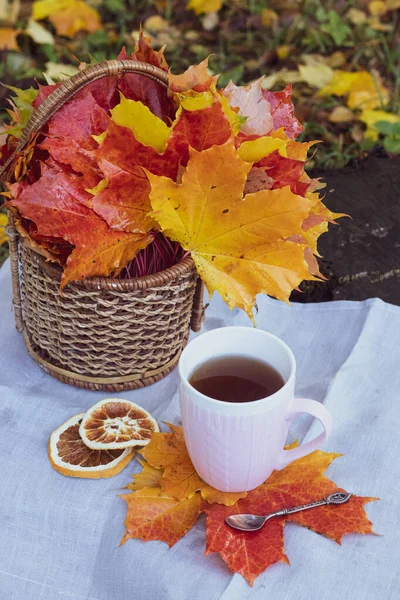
x=191 y=100
x=148 y=129
x=370 y=117
x=294 y=150
x=363 y=91
x=239 y=245
x=168 y=451
x=255 y=150
x=149 y=477
x=68 y=16
x=3 y=225
x=213 y=496
x=204 y=6
x=178 y=477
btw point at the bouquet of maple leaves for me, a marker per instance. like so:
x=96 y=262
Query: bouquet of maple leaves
x=127 y=171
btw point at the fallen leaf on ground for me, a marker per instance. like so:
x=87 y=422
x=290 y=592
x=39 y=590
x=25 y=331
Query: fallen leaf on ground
x=269 y=18
x=210 y=21
x=376 y=24
x=204 y=6
x=363 y=90
x=9 y=10
x=38 y=33
x=370 y=117
x=356 y=16
x=341 y=114
x=315 y=72
x=283 y=51
x=377 y=8
x=8 y=38
x=155 y=23
x=337 y=59
x=68 y=16
x=154 y=514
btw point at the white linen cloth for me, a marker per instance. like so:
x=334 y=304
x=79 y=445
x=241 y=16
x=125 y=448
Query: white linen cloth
x=59 y=537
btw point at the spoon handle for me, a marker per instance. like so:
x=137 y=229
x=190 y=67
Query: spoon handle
x=336 y=498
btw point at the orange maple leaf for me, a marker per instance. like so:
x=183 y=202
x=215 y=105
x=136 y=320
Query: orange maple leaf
x=145 y=53
x=195 y=78
x=154 y=513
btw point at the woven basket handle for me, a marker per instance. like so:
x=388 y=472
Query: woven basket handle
x=71 y=86
x=39 y=118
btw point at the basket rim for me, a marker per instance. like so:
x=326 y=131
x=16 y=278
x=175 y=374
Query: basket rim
x=183 y=267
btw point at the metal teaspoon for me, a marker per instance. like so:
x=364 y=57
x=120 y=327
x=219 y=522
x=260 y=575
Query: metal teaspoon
x=253 y=522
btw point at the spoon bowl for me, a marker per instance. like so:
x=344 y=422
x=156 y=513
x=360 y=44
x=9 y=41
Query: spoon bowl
x=246 y=522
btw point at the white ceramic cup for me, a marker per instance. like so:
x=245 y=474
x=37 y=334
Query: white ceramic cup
x=236 y=446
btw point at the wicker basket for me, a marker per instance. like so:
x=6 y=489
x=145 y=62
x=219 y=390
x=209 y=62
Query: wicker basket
x=102 y=334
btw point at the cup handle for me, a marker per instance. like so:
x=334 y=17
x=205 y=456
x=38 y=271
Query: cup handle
x=317 y=410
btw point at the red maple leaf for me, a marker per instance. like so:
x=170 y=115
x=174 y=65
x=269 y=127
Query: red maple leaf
x=167 y=502
x=56 y=203
x=282 y=111
x=69 y=135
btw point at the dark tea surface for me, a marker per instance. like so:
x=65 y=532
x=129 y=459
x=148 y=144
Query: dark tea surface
x=236 y=379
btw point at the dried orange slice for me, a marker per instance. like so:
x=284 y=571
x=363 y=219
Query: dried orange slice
x=114 y=423
x=70 y=456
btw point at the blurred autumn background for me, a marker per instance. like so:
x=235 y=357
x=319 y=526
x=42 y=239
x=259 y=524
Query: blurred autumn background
x=342 y=57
